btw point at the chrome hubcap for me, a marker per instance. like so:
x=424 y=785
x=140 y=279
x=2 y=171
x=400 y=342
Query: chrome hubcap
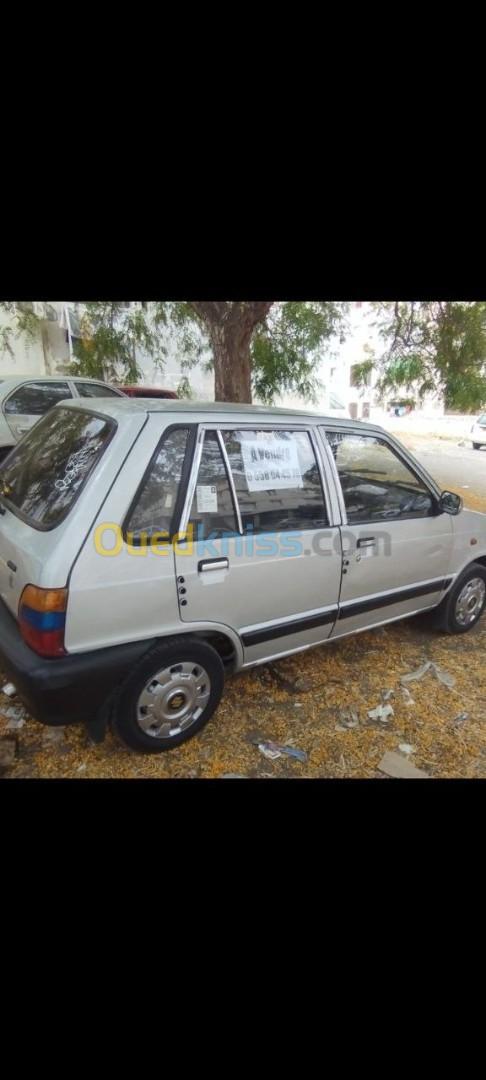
x=470 y=602
x=173 y=700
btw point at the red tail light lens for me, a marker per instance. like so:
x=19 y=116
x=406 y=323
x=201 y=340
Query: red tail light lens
x=42 y=618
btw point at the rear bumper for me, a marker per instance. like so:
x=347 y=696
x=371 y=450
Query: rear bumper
x=70 y=689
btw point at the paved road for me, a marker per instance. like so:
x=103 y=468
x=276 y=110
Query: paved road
x=459 y=468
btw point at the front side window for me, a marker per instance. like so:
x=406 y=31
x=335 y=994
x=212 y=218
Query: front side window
x=276 y=479
x=376 y=483
x=36 y=398
x=94 y=390
x=44 y=474
x=212 y=512
x=155 y=504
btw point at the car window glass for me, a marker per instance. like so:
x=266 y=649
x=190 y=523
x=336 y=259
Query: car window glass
x=154 y=508
x=43 y=475
x=277 y=480
x=376 y=483
x=212 y=512
x=35 y=398
x=94 y=390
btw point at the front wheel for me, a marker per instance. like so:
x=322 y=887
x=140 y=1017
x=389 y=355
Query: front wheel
x=477 y=445
x=170 y=696
x=464 y=604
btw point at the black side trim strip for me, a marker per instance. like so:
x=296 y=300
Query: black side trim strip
x=255 y=637
x=362 y=606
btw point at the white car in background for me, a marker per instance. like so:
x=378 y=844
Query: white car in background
x=24 y=400
x=478 y=432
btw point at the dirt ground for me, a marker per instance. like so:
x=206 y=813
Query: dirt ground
x=317 y=701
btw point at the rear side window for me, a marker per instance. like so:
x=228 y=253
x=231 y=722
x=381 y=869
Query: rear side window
x=277 y=480
x=212 y=511
x=94 y=390
x=155 y=504
x=44 y=474
x=35 y=399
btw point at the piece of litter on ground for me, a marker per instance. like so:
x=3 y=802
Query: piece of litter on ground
x=348 y=719
x=387 y=694
x=415 y=676
x=9 y=689
x=81 y=768
x=382 y=712
x=274 y=750
x=292 y=751
x=461 y=718
x=269 y=750
x=393 y=764
x=408 y=700
x=442 y=676
x=233 y=776
x=297 y=704
x=15 y=724
x=15 y=712
x=406 y=748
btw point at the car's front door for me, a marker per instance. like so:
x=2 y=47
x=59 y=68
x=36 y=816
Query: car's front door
x=31 y=400
x=396 y=546
x=264 y=557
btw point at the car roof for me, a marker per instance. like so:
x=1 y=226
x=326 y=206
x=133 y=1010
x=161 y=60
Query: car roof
x=193 y=411
x=15 y=380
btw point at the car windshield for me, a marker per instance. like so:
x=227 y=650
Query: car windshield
x=44 y=474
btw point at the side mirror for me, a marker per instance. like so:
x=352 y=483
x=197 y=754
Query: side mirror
x=450 y=503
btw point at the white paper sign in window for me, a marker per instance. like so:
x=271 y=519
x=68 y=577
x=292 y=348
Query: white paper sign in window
x=207 y=499
x=271 y=463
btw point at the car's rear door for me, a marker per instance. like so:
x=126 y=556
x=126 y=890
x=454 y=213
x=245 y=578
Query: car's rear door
x=31 y=400
x=265 y=555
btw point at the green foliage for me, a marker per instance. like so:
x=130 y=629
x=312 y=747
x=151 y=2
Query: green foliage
x=24 y=321
x=184 y=388
x=111 y=333
x=285 y=350
x=285 y=347
x=434 y=347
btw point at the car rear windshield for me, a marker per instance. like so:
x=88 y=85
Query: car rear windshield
x=44 y=474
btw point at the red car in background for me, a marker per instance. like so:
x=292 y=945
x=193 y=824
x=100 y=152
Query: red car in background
x=147 y=391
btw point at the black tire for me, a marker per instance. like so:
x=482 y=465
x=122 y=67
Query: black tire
x=446 y=618
x=477 y=445
x=173 y=654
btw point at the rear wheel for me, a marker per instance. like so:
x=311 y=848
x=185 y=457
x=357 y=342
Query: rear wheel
x=465 y=603
x=477 y=445
x=170 y=696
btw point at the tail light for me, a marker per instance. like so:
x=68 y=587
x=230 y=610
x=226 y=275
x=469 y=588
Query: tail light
x=42 y=618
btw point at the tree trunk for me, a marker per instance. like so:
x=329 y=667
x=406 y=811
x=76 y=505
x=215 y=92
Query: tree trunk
x=230 y=328
x=232 y=365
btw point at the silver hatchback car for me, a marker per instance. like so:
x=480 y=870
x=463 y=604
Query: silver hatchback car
x=23 y=400
x=148 y=548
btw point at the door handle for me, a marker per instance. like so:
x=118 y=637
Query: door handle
x=366 y=542
x=22 y=430
x=212 y=564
